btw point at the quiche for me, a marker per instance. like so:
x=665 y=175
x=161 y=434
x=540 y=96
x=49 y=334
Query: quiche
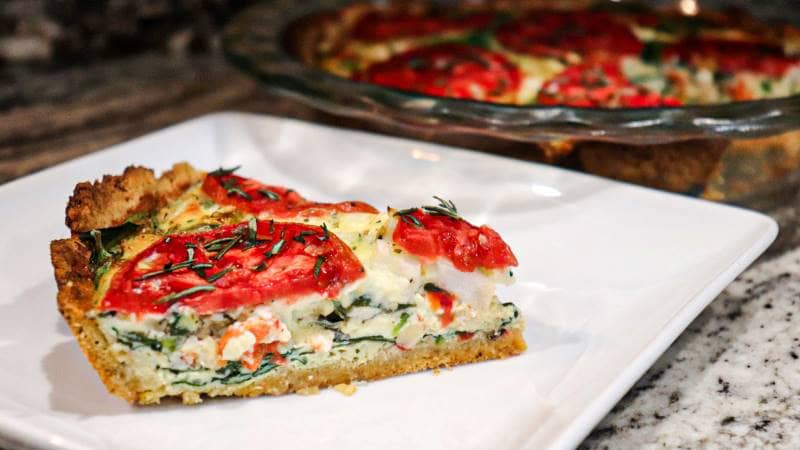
x=599 y=56
x=196 y=284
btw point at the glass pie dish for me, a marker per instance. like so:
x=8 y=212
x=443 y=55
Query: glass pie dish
x=728 y=151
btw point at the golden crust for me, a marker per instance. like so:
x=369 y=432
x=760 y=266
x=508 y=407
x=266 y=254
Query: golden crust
x=70 y=259
x=109 y=202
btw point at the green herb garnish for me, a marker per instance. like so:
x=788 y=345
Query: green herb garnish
x=269 y=194
x=324 y=232
x=219 y=274
x=403 y=319
x=444 y=208
x=430 y=287
x=175 y=296
x=318 y=265
x=407 y=217
x=275 y=249
x=301 y=237
x=222 y=172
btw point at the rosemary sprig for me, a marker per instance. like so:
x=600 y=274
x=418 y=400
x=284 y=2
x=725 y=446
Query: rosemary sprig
x=229 y=246
x=222 y=172
x=170 y=267
x=444 y=208
x=175 y=296
x=219 y=274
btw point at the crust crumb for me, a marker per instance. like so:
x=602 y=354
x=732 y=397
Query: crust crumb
x=345 y=389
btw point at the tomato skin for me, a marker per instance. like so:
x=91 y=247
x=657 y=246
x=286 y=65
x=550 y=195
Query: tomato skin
x=292 y=272
x=598 y=85
x=380 y=26
x=255 y=200
x=448 y=70
x=593 y=35
x=728 y=56
x=442 y=300
x=465 y=245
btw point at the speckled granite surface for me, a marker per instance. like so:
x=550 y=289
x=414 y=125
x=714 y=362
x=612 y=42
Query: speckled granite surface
x=732 y=380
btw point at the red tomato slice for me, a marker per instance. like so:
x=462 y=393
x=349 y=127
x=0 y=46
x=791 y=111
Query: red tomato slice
x=464 y=244
x=379 y=26
x=729 y=56
x=598 y=85
x=594 y=35
x=233 y=266
x=448 y=70
x=255 y=197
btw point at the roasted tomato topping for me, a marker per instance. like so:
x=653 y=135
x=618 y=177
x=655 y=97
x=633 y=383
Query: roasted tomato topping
x=593 y=35
x=430 y=236
x=233 y=266
x=728 y=56
x=598 y=85
x=273 y=201
x=448 y=70
x=379 y=26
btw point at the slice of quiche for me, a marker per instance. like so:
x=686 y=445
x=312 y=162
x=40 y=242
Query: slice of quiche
x=212 y=284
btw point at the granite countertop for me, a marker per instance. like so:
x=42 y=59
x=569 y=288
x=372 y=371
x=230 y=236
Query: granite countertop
x=731 y=380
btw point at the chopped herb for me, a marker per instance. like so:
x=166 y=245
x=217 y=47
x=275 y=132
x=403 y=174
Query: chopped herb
x=175 y=296
x=275 y=249
x=301 y=237
x=269 y=194
x=444 y=208
x=430 y=287
x=361 y=300
x=416 y=63
x=340 y=310
x=403 y=319
x=190 y=251
x=102 y=253
x=219 y=274
x=222 y=172
x=260 y=267
x=168 y=344
x=252 y=228
x=318 y=265
x=237 y=191
x=216 y=244
x=271 y=226
x=324 y=232
x=439 y=340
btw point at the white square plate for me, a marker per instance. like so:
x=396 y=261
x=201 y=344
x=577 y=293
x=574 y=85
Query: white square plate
x=609 y=275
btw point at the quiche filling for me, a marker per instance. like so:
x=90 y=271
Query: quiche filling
x=236 y=279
